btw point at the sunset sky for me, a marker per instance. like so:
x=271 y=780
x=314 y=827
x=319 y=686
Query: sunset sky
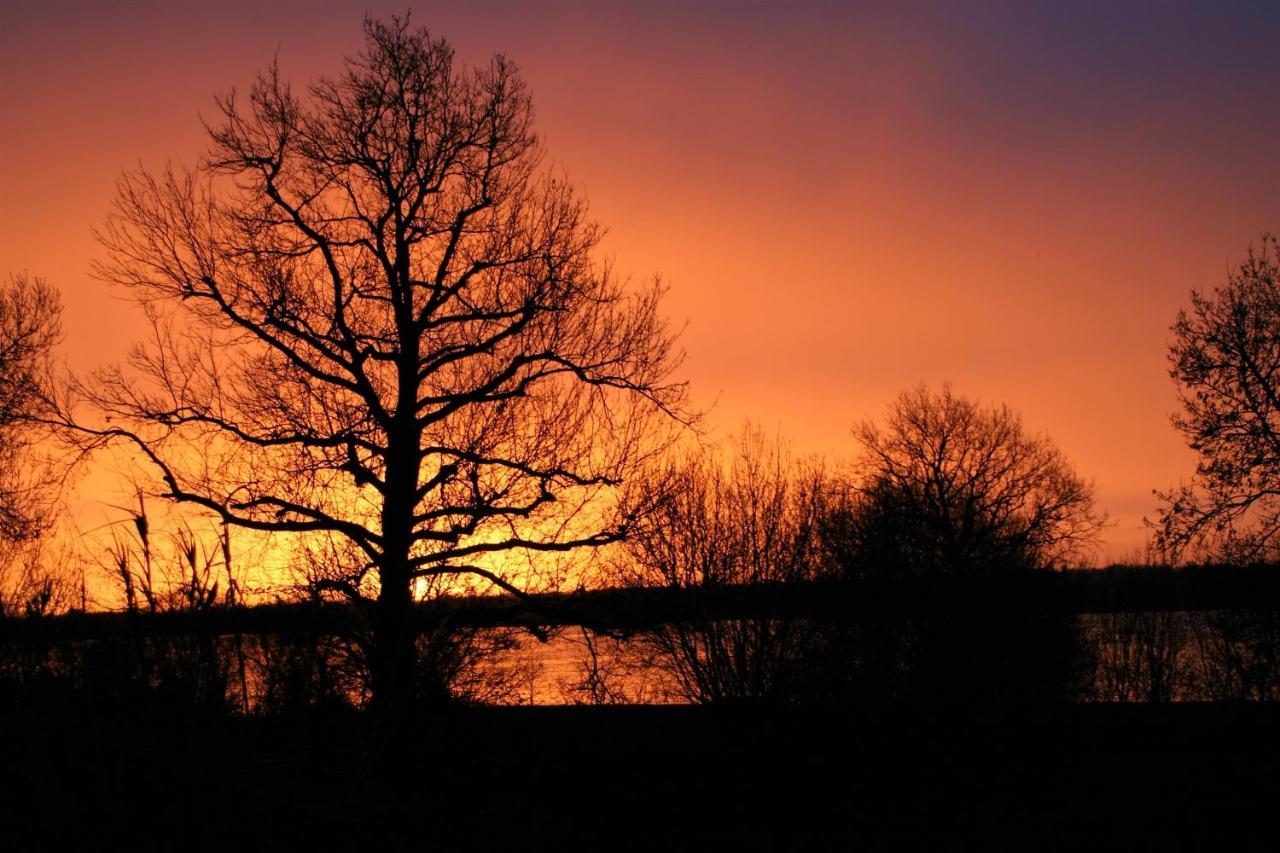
x=846 y=200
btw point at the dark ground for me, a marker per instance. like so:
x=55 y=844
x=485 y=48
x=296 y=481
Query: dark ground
x=1079 y=777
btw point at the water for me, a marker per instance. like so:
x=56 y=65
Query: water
x=569 y=669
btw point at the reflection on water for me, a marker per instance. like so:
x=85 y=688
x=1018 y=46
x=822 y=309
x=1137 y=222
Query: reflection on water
x=1123 y=657
x=575 y=667
x=1184 y=656
x=548 y=668
x=1228 y=655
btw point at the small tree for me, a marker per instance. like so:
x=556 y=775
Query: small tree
x=746 y=517
x=949 y=486
x=1225 y=358
x=378 y=318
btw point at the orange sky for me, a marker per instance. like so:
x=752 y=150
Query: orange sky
x=844 y=202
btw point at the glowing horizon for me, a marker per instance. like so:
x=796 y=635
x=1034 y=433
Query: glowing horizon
x=844 y=203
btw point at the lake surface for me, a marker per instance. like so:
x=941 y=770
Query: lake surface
x=558 y=672
x=1176 y=656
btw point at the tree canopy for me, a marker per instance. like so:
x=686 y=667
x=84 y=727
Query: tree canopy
x=1225 y=359
x=949 y=485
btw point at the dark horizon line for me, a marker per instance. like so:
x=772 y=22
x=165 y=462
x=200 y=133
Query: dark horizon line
x=1115 y=589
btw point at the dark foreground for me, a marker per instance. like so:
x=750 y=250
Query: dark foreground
x=1080 y=777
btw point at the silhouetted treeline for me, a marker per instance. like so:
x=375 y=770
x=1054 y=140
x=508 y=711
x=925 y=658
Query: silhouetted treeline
x=1125 y=634
x=1115 y=589
x=932 y=575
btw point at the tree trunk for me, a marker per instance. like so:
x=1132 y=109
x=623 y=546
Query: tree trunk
x=394 y=667
x=391 y=668
x=394 y=654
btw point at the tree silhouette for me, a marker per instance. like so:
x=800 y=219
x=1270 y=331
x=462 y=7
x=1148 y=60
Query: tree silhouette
x=30 y=325
x=949 y=486
x=949 y=491
x=1225 y=357
x=748 y=516
x=376 y=319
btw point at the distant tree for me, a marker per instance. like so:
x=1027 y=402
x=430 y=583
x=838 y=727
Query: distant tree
x=950 y=486
x=949 y=490
x=1225 y=359
x=745 y=515
x=378 y=318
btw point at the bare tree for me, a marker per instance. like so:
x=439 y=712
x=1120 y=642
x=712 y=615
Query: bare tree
x=30 y=326
x=1225 y=357
x=749 y=519
x=950 y=486
x=377 y=317
x=1238 y=652
x=1142 y=656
